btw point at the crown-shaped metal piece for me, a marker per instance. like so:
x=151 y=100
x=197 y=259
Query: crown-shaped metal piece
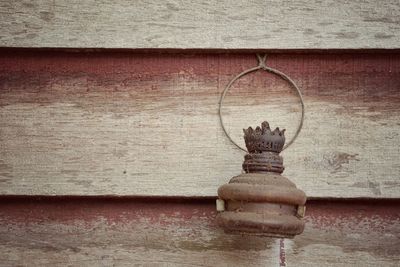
x=263 y=139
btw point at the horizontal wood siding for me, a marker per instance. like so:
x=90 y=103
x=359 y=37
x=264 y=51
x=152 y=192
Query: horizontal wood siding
x=259 y=24
x=147 y=124
x=111 y=149
x=134 y=232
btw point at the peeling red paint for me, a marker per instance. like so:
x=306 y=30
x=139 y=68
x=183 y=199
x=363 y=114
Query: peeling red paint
x=351 y=76
x=324 y=214
x=102 y=62
x=349 y=213
x=188 y=225
x=87 y=209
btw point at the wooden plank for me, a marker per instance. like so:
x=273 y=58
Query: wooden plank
x=147 y=124
x=132 y=232
x=296 y=24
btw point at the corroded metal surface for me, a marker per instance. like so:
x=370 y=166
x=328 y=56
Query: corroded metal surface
x=263 y=162
x=263 y=139
x=261 y=201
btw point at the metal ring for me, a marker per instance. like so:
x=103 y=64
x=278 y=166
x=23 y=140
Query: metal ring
x=262 y=66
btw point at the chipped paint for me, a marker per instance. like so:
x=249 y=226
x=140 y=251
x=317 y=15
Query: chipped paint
x=87 y=117
x=183 y=232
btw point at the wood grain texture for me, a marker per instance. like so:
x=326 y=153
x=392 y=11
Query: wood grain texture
x=147 y=124
x=124 y=232
x=296 y=24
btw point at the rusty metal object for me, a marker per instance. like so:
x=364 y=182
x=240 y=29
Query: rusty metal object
x=261 y=201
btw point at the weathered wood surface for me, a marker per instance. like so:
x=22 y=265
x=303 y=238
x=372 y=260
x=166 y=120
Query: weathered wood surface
x=299 y=24
x=85 y=232
x=147 y=124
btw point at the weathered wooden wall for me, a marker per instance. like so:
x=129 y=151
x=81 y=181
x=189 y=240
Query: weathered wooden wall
x=259 y=24
x=146 y=123
x=142 y=121
x=134 y=232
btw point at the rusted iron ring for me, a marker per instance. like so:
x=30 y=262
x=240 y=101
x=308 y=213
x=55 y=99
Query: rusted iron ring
x=262 y=66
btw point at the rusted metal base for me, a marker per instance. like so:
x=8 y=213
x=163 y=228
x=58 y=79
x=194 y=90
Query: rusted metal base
x=270 y=225
x=263 y=204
